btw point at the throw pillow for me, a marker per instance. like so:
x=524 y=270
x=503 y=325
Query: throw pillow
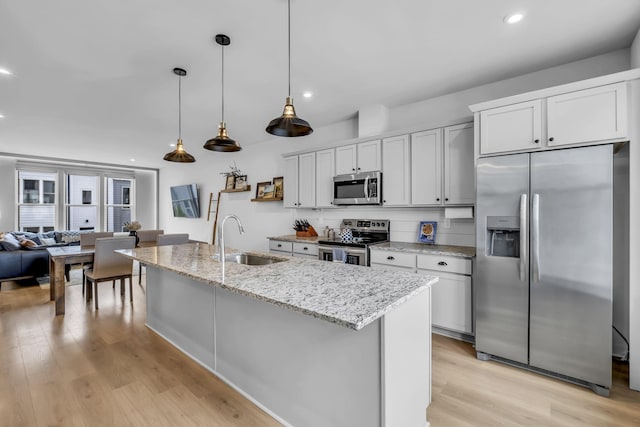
x=9 y=242
x=26 y=243
x=48 y=241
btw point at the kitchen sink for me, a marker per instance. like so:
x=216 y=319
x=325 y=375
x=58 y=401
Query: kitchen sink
x=249 y=259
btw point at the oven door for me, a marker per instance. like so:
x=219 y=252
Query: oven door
x=356 y=256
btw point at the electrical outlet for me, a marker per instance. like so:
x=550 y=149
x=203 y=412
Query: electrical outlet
x=447 y=223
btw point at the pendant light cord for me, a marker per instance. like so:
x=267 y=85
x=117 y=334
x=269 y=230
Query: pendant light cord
x=179 y=107
x=223 y=84
x=289 y=36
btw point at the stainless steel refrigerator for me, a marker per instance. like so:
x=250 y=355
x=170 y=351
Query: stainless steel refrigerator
x=545 y=262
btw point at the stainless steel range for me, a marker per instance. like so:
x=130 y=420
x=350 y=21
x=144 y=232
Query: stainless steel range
x=365 y=232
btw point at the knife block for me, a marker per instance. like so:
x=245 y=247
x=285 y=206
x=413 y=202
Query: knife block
x=311 y=232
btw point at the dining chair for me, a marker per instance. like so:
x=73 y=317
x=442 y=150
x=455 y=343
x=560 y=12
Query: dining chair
x=172 y=239
x=89 y=239
x=109 y=265
x=146 y=236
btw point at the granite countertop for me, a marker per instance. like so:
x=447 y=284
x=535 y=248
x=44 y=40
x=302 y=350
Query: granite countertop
x=348 y=295
x=422 y=248
x=294 y=238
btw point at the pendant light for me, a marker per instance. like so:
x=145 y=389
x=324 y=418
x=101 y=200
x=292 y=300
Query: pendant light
x=222 y=142
x=179 y=155
x=289 y=124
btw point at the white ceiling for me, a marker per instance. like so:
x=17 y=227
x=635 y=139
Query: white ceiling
x=93 y=80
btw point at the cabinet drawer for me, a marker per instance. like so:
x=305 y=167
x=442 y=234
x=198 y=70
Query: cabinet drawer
x=394 y=258
x=392 y=267
x=305 y=249
x=445 y=263
x=281 y=246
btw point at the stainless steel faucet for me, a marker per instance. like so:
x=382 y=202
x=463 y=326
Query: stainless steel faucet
x=221 y=254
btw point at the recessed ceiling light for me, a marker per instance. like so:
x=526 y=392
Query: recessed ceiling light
x=307 y=94
x=514 y=18
x=5 y=72
x=132 y=160
x=1 y=116
x=172 y=145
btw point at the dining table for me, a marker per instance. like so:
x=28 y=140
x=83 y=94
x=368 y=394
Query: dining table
x=59 y=256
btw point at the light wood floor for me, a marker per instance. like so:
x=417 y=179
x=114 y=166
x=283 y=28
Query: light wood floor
x=91 y=368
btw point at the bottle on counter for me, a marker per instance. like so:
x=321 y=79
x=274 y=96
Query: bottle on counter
x=332 y=234
x=325 y=232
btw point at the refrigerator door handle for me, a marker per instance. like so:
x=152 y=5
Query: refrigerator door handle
x=535 y=237
x=524 y=220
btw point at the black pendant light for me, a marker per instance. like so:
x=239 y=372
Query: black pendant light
x=289 y=124
x=179 y=155
x=222 y=142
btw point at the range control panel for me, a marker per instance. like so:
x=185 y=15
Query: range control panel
x=367 y=224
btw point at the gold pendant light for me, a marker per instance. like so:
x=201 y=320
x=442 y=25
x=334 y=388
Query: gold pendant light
x=289 y=124
x=179 y=155
x=222 y=142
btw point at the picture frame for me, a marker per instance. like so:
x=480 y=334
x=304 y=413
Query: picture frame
x=269 y=191
x=427 y=232
x=278 y=183
x=230 y=183
x=260 y=189
x=240 y=182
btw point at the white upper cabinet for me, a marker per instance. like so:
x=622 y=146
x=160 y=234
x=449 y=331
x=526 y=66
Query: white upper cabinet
x=396 y=171
x=300 y=181
x=290 y=184
x=346 y=159
x=512 y=127
x=581 y=117
x=426 y=167
x=459 y=173
x=369 y=156
x=325 y=171
x=589 y=115
x=361 y=157
x=307 y=180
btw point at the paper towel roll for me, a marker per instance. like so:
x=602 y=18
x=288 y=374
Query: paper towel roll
x=458 y=212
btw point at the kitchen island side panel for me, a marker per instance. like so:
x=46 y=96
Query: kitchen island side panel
x=181 y=310
x=308 y=371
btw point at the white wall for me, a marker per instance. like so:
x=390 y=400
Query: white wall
x=7 y=193
x=146 y=199
x=635 y=52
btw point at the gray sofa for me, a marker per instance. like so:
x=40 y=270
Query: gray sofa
x=20 y=262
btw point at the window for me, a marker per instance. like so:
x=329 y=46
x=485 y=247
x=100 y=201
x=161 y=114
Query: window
x=36 y=201
x=118 y=204
x=79 y=191
x=62 y=197
x=86 y=197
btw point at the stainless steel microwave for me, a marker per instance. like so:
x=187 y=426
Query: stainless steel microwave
x=362 y=188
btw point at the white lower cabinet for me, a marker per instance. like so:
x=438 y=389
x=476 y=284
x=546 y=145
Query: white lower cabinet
x=297 y=249
x=391 y=260
x=305 y=250
x=451 y=296
x=280 y=247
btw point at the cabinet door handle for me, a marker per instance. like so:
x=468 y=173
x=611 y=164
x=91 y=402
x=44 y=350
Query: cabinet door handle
x=279 y=245
x=446 y=199
x=442 y=263
x=551 y=139
x=537 y=141
x=358 y=168
x=438 y=199
x=353 y=169
x=390 y=258
x=305 y=248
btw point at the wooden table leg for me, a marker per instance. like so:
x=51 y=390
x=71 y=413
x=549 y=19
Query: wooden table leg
x=52 y=272
x=58 y=284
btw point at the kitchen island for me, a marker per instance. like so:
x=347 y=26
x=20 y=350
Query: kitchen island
x=313 y=343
